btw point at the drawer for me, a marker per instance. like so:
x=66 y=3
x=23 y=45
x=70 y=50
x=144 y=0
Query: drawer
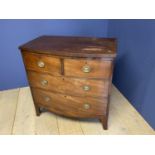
x=88 y=68
x=69 y=105
x=72 y=86
x=42 y=63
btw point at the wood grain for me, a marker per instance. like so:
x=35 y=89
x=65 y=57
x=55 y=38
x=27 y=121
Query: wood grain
x=69 y=126
x=123 y=118
x=68 y=59
x=25 y=115
x=8 y=105
x=99 y=68
x=72 y=46
x=70 y=105
x=70 y=86
x=46 y=124
x=52 y=65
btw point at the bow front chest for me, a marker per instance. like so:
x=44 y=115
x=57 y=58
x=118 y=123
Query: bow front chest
x=70 y=76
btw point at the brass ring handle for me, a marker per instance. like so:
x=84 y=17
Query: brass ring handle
x=86 y=69
x=47 y=99
x=86 y=106
x=86 y=88
x=41 y=64
x=44 y=82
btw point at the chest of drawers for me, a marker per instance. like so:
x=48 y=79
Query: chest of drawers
x=70 y=76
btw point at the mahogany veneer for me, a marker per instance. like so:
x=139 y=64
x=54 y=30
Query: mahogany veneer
x=70 y=76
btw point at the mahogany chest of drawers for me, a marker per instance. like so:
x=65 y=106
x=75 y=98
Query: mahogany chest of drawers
x=70 y=76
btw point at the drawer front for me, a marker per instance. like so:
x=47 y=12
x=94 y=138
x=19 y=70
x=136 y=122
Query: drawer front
x=88 y=68
x=72 y=86
x=69 y=105
x=42 y=63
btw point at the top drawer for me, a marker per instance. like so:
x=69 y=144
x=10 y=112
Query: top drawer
x=88 y=68
x=42 y=63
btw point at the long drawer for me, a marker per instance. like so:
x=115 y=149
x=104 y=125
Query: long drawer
x=69 y=105
x=71 y=86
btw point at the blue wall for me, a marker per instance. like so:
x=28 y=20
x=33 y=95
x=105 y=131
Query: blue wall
x=16 y=32
x=135 y=66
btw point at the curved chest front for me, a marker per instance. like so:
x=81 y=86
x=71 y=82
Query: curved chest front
x=69 y=85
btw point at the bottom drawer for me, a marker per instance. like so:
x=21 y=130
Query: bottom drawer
x=70 y=105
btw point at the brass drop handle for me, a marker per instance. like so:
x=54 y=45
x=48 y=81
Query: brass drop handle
x=41 y=64
x=44 y=82
x=86 y=106
x=86 y=69
x=47 y=99
x=86 y=88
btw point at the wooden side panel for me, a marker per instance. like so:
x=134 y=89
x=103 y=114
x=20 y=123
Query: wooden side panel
x=51 y=65
x=98 y=68
x=69 y=105
x=71 y=86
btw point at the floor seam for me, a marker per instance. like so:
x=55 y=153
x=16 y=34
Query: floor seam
x=81 y=127
x=57 y=124
x=15 y=113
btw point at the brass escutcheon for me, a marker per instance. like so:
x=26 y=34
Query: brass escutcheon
x=41 y=64
x=47 y=99
x=86 y=88
x=44 y=82
x=86 y=106
x=86 y=69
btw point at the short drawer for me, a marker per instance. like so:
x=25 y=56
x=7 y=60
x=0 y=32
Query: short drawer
x=71 y=86
x=69 y=105
x=42 y=63
x=88 y=68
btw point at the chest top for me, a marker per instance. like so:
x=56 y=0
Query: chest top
x=72 y=46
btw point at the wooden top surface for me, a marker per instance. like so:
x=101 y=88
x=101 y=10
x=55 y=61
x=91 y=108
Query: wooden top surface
x=72 y=46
